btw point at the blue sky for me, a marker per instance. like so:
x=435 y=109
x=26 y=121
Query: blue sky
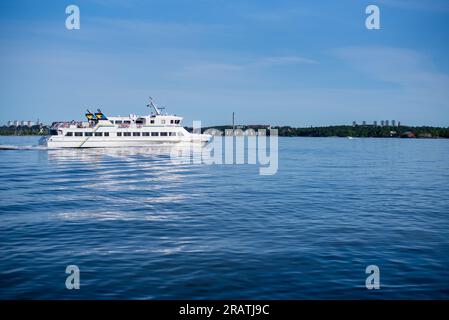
x=296 y=63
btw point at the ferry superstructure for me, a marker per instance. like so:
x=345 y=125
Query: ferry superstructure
x=100 y=131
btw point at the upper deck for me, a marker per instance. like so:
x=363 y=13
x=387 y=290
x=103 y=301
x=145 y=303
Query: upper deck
x=122 y=122
x=156 y=118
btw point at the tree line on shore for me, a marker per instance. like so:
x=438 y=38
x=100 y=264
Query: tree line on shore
x=366 y=131
x=287 y=131
x=24 y=130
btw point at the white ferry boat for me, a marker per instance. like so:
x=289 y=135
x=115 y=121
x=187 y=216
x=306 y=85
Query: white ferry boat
x=100 y=131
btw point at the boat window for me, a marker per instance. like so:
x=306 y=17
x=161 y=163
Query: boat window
x=171 y=121
x=119 y=134
x=118 y=121
x=177 y=121
x=126 y=122
x=127 y=134
x=145 y=134
x=106 y=134
x=78 y=134
x=98 y=134
x=152 y=121
x=88 y=134
x=69 y=134
x=180 y=134
x=154 y=134
x=163 y=121
x=164 y=134
x=54 y=132
x=136 y=134
x=172 y=134
x=140 y=121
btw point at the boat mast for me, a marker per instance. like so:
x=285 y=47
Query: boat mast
x=155 y=108
x=233 y=123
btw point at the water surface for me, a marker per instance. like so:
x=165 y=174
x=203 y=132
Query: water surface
x=141 y=227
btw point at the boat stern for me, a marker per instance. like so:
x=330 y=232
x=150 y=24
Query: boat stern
x=43 y=141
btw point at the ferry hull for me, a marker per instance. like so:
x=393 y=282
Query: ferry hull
x=55 y=143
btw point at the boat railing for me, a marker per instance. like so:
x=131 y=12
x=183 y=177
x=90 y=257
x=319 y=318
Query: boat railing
x=68 y=124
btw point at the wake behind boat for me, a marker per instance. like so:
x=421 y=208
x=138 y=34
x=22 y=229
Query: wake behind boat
x=101 y=131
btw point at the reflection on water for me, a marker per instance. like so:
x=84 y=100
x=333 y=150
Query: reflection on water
x=121 y=175
x=99 y=154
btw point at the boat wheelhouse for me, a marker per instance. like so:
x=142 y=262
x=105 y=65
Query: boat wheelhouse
x=100 y=131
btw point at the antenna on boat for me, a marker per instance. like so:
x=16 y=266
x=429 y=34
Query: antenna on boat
x=156 y=109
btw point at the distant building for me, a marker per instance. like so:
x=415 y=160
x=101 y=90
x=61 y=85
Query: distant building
x=387 y=123
x=213 y=132
x=393 y=122
x=399 y=123
x=375 y=123
x=250 y=132
x=382 y=123
x=354 y=123
x=408 y=134
x=27 y=123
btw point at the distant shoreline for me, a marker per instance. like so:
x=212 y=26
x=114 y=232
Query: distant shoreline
x=342 y=131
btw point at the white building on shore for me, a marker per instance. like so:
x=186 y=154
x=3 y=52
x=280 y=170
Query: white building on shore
x=27 y=123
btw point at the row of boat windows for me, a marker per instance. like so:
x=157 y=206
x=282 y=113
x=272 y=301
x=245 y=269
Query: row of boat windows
x=124 y=134
x=142 y=121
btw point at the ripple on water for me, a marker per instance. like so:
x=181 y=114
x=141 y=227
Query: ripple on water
x=140 y=226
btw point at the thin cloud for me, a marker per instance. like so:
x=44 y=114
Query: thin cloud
x=411 y=71
x=284 y=60
x=256 y=63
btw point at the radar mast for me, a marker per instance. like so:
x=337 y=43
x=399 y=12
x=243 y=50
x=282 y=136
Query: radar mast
x=157 y=110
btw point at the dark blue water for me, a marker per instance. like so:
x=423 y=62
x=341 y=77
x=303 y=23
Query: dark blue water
x=139 y=226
